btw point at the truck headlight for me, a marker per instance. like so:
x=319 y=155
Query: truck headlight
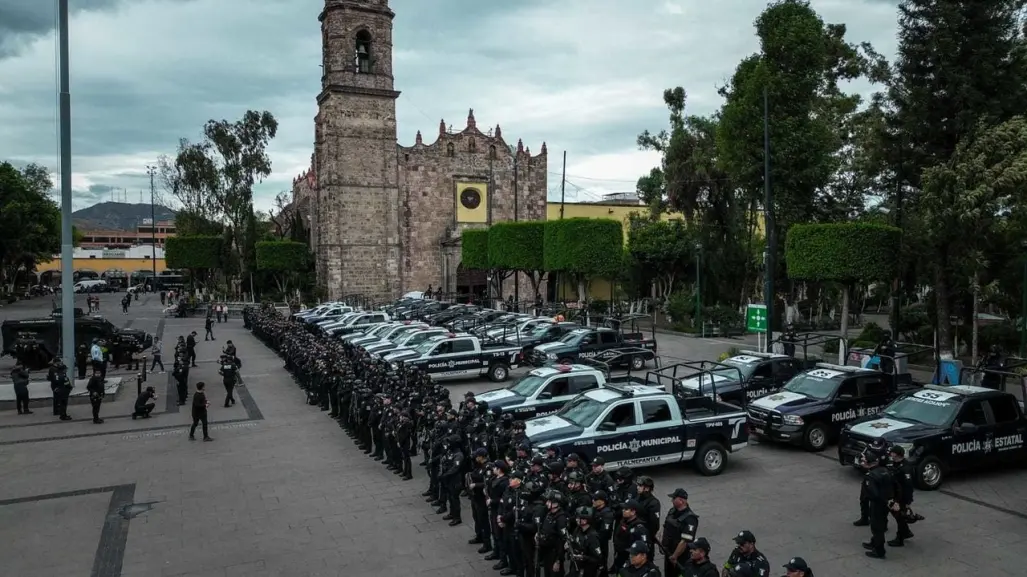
x=394 y=366
x=550 y=356
x=793 y=420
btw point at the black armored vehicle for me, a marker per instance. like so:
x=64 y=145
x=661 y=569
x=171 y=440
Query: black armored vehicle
x=35 y=342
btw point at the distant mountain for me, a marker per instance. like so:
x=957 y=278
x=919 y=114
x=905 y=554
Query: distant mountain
x=118 y=216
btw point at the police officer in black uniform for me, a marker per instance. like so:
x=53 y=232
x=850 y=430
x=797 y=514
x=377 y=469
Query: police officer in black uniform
x=885 y=352
x=639 y=563
x=650 y=511
x=880 y=492
x=679 y=530
x=450 y=477
x=745 y=553
x=605 y=522
x=788 y=340
x=991 y=364
x=498 y=485
x=699 y=564
x=870 y=454
x=529 y=520
x=797 y=567
x=60 y=386
x=96 y=393
x=598 y=479
x=509 y=516
x=902 y=473
x=479 y=510
x=584 y=552
x=552 y=535
x=630 y=530
x=230 y=376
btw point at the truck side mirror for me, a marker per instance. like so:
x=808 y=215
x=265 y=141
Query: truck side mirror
x=545 y=395
x=966 y=428
x=606 y=427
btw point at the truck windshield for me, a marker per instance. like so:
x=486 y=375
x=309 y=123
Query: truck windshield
x=582 y=411
x=573 y=338
x=813 y=387
x=925 y=411
x=425 y=347
x=527 y=385
x=402 y=333
x=540 y=330
x=419 y=337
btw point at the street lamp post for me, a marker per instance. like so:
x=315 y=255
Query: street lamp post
x=152 y=170
x=1023 y=305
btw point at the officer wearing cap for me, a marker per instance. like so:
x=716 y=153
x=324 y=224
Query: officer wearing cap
x=479 y=510
x=605 y=521
x=598 y=479
x=745 y=553
x=902 y=474
x=797 y=567
x=880 y=492
x=678 y=531
x=497 y=488
x=509 y=510
x=630 y=530
x=639 y=564
x=698 y=564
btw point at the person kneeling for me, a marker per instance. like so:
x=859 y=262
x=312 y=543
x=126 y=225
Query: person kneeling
x=143 y=406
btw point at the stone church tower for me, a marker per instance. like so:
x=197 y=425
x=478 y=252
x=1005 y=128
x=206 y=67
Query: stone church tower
x=356 y=163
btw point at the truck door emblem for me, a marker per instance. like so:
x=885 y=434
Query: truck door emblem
x=634 y=445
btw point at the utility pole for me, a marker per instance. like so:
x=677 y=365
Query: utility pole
x=896 y=287
x=152 y=170
x=563 y=185
x=67 y=241
x=768 y=224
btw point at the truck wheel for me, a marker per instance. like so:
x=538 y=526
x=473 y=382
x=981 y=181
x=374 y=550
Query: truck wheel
x=499 y=372
x=930 y=473
x=815 y=438
x=710 y=459
x=637 y=363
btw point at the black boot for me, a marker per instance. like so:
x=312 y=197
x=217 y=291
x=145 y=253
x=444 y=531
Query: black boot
x=861 y=522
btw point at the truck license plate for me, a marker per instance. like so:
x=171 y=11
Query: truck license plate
x=759 y=430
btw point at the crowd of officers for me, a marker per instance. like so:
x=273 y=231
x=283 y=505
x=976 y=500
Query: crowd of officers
x=535 y=513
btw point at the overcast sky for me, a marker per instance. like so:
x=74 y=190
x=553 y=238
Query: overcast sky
x=585 y=76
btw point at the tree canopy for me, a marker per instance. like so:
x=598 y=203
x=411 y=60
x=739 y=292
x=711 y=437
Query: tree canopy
x=474 y=249
x=30 y=221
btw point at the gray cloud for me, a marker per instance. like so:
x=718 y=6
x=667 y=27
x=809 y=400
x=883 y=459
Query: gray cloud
x=583 y=75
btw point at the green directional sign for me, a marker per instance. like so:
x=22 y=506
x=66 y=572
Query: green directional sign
x=756 y=318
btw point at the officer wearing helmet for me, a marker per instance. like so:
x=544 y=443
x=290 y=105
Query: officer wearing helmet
x=991 y=365
x=552 y=534
x=584 y=551
x=577 y=496
x=605 y=521
x=533 y=511
x=650 y=511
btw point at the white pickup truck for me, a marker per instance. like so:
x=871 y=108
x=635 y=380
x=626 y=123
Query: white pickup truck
x=460 y=356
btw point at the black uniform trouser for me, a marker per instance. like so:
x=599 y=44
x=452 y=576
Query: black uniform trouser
x=903 y=531
x=498 y=543
x=157 y=361
x=229 y=388
x=864 y=502
x=81 y=368
x=878 y=526
x=379 y=441
x=407 y=466
x=209 y=334
x=21 y=398
x=60 y=401
x=453 y=494
x=333 y=401
x=199 y=416
x=548 y=558
x=144 y=411
x=670 y=568
x=480 y=514
x=183 y=389
x=619 y=559
x=513 y=550
x=527 y=546
x=96 y=401
x=190 y=356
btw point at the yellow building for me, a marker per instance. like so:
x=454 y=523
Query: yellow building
x=99 y=265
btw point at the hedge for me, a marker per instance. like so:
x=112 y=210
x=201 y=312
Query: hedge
x=586 y=246
x=517 y=245
x=474 y=249
x=193 y=252
x=842 y=252
x=282 y=256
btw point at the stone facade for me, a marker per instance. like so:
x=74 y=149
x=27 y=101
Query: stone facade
x=387 y=218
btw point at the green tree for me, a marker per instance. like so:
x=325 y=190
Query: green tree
x=584 y=249
x=519 y=246
x=285 y=259
x=474 y=249
x=961 y=69
x=200 y=255
x=844 y=253
x=30 y=221
x=214 y=178
x=662 y=249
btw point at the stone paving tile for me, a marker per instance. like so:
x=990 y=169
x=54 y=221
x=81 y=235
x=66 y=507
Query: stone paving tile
x=290 y=495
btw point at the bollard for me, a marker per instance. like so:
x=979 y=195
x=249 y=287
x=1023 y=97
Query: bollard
x=139 y=384
x=143 y=368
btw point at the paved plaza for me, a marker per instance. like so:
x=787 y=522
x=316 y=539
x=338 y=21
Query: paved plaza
x=283 y=491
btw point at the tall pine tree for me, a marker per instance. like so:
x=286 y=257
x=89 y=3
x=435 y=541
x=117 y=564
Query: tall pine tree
x=961 y=68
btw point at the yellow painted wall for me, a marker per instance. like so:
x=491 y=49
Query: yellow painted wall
x=129 y=265
x=478 y=214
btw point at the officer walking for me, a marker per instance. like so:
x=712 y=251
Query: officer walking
x=20 y=377
x=200 y=406
x=902 y=473
x=230 y=376
x=679 y=530
x=880 y=493
x=61 y=387
x=745 y=553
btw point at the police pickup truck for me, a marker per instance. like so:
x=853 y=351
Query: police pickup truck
x=639 y=425
x=459 y=356
x=600 y=344
x=406 y=340
x=942 y=429
x=545 y=390
x=812 y=408
x=745 y=376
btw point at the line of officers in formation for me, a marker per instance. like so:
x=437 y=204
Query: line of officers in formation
x=534 y=513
